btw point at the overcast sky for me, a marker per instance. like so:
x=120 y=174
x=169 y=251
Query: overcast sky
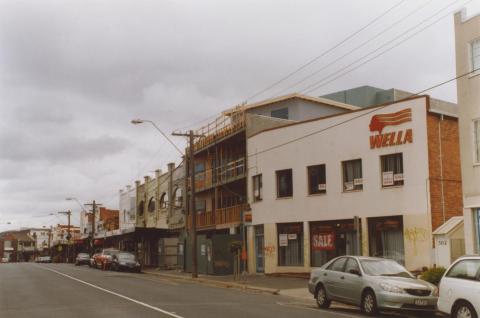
x=74 y=73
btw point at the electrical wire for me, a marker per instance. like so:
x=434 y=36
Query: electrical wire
x=417 y=9
x=320 y=83
x=310 y=62
x=356 y=117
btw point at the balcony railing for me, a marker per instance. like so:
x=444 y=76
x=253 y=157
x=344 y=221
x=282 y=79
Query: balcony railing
x=221 y=127
x=228 y=215
x=228 y=172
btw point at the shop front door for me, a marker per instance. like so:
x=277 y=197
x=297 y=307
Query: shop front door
x=259 y=253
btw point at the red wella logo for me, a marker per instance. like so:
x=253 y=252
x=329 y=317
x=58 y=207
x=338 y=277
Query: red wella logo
x=378 y=122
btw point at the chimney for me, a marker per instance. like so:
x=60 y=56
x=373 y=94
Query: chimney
x=129 y=187
x=147 y=178
x=158 y=172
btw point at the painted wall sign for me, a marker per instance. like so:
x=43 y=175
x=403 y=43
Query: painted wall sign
x=323 y=241
x=379 y=122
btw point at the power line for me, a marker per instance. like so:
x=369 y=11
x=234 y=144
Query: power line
x=324 y=53
x=357 y=47
x=358 y=116
x=320 y=83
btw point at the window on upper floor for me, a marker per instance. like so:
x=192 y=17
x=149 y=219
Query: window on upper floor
x=392 y=170
x=475 y=55
x=281 y=113
x=163 y=200
x=352 y=175
x=317 y=180
x=476 y=140
x=141 y=207
x=257 y=188
x=178 y=197
x=151 y=205
x=284 y=183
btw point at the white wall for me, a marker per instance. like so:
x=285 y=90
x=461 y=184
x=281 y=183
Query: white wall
x=468 y=93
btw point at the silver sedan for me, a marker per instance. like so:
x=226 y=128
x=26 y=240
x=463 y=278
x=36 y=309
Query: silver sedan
x=371 y=283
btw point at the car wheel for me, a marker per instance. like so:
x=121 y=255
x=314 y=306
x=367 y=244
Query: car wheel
x=464 y=310
x=369 y=303
x=321 y=297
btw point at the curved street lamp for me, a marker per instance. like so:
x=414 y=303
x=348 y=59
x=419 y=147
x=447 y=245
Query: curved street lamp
x=141 y=121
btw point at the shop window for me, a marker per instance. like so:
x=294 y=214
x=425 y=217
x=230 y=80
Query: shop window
x=151 y=205
x=281 y=113
x=290 y=244
x=284 y=183
x=392 y=170
x=330 y=239
x=476 y=140
x=386 y=238
x=257 y=188
x=352 y=175
x=466 y=269
x=317 y=180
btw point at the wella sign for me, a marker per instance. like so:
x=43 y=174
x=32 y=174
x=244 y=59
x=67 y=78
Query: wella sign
x=400 y=137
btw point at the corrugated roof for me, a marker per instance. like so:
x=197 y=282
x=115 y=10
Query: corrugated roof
x=449 y=226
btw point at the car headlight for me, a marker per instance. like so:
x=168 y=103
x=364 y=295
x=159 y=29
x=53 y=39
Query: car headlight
x=435 y=291
x=392 y=288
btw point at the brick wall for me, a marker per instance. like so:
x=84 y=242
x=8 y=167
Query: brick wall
x=452 y=180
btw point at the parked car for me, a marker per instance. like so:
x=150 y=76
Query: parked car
x=460 y=288
x=373 y=284
x=125 y=261
x=82 y=259
x=4 y=260
x=43 y=259
x=103 y=259
x=92 y=260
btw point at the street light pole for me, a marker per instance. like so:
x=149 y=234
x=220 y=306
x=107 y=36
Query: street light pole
x=69 y=236
x=191 y=206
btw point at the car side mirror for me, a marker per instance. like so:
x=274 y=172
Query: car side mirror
x=355 y=272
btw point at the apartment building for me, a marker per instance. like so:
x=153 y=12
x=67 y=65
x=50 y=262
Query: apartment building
x=467 y=47
x=221 y=176
x=375 y=181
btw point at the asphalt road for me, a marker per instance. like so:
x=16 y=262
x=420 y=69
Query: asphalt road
x=61 y=290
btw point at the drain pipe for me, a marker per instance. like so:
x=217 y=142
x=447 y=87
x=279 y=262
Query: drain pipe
x=441 y=167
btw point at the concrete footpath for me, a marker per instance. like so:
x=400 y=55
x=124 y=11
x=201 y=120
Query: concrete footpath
x=276 y=285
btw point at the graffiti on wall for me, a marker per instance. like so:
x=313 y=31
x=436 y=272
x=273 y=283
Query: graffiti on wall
x=416 y=235
x=269 y=250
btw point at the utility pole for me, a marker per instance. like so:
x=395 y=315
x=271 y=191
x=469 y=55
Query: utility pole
x=69 y=236
x=94 y=209
x=191 y=209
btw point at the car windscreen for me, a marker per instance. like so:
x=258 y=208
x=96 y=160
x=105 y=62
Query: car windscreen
x=384 y=267
x=126 y=256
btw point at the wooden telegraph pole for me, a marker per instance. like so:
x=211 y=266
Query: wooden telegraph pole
x=191 y=209
x=94 y=209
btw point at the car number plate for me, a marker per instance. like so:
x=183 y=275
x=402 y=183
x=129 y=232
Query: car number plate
x=421 y=302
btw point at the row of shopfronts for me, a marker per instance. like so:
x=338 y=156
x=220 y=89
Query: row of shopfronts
x=312 y=244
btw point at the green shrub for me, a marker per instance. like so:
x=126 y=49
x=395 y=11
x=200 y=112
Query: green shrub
x=433 y=275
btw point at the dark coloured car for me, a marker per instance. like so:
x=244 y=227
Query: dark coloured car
x=125 y=261
x=82 y=259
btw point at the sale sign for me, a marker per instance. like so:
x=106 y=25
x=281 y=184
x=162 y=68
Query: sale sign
x=323 y=241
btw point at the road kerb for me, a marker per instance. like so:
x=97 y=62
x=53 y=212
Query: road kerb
x=216 y=283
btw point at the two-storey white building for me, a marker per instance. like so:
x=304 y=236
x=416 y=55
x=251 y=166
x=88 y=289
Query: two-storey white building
x=395 y=167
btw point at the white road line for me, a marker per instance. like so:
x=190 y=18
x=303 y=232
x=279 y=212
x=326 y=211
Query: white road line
x=113 y=293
